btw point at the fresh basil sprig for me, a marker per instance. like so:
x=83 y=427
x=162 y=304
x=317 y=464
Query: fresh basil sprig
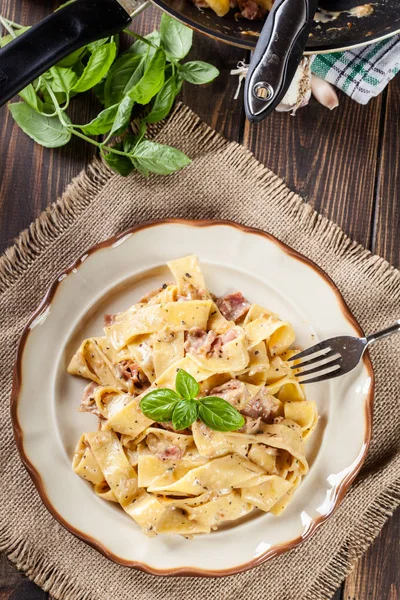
x=143 y=81
x=182 y=406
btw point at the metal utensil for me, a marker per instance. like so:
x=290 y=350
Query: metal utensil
x=336 y=356
x=277 y=54
x=57 y=36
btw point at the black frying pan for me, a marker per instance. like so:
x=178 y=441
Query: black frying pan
x=342 y=33
x=289 y=30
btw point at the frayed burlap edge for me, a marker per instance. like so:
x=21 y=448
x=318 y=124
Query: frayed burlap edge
x=58 y=217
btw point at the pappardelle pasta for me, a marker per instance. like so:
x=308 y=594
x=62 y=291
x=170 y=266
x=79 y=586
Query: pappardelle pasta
x=233 y=355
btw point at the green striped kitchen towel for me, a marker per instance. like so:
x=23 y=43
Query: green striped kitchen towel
x=361 y=73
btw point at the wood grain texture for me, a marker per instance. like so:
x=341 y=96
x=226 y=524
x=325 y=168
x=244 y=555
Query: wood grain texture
x=345 y=163
x=15 y=586
x=387 y=218
x=377 y=574
x=329 y=158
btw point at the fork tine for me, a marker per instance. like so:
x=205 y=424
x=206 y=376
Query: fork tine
x=320 y=368
x=311 y=361
x=324 y=377
x=317 y=348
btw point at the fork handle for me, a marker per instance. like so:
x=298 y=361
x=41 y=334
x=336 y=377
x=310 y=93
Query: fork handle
x=380 y=334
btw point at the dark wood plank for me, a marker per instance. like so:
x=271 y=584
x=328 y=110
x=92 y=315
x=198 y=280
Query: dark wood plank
x=329 y=158
x=338 y=594
x=386 y=239
x=15 y=586
x=377 y=574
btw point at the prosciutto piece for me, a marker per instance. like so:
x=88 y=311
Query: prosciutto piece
x=251 y=426
x=235 y=392
x=170 y=453
x=87 y=401
x=163 y=449
x=208 y=343
x=262 y=405
x=234 y=306
x=130 y=372
x=109 y=320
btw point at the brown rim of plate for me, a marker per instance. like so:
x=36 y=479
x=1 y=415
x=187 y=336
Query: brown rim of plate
x=187 y=571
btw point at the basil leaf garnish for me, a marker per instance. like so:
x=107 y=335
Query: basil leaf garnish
x=185 y=413
x=186 y=385
x=219 y=415
x=159 y=404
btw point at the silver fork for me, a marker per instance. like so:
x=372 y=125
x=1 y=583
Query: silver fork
x=336 y=356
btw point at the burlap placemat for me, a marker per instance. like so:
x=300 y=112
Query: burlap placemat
x=224 y=181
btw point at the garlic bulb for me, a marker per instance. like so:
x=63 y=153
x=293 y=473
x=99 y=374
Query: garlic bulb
x=299 y=92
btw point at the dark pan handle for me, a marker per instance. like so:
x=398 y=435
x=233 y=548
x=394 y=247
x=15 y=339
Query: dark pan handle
x=277 y=55
x=60 y=34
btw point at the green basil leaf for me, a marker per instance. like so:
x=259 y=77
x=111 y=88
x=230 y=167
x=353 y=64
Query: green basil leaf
x=60 y=97
x=102 y=123
x=123 y=116
x=121 y=164
x=9 y=38
x=99 y=91
x=46 y=131
x=63 y=79
x=98 y=64
x=198 y=72
x=141 y=47
x=129 y=142
x=29 y=95
x=118 y=77
x=159 y=159
x=176 y=38
x=185 y=413
x=159 y=404
x=142 y=130
x=141 y=168
x=219 y=415
x=96 y=44
x=179 y=83
x=163 y=102
x=151 y=81
x=72 y=58
x=186 y=385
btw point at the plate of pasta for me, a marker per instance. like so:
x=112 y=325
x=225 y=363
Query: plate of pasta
x=168 y=429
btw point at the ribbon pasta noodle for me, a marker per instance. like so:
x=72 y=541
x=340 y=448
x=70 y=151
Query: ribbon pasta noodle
x=189 y=482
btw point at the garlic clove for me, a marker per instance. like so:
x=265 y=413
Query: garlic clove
x=324 y=92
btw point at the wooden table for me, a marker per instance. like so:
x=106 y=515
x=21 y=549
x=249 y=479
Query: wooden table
x=345 y=163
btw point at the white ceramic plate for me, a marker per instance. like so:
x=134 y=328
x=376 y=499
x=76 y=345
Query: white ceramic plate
x=115 y=274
